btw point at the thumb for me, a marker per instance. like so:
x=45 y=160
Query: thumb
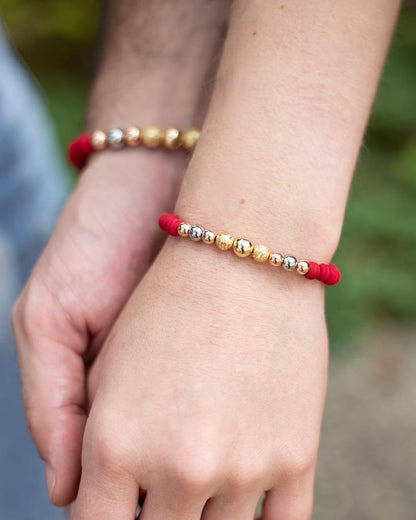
x=53 y=386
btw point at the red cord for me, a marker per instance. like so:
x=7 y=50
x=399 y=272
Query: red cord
x=325 y=273
x=169 y=223
x=79 y=150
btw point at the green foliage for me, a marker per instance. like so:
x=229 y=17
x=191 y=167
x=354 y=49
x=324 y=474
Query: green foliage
x=36 y=20
x=378 y=246
x=377 y=252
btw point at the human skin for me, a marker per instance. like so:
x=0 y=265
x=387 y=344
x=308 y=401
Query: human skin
x=150 y=73
x=213 y=390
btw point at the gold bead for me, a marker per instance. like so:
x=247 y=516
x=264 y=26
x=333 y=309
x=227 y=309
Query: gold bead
x=132 y=136
x=276 y=259
x=152 y=136
x=242 y=247
x=261 y=253
x=190 y=139
x=173 y=139
x=183 y=229
x=99 y=140
x=224 y=241
x=303 y=267
x=208 y=237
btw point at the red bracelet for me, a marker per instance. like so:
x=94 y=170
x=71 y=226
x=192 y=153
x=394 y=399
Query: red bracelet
x=151 y=137
x=242 y=247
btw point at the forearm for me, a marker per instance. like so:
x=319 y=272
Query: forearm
x=157 y=61
x=280 y=142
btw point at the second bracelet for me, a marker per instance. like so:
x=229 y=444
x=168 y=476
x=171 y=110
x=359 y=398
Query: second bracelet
x=115 y=138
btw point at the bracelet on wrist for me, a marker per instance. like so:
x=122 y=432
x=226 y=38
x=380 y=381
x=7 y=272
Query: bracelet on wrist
x=242 y=247
x=115 y=138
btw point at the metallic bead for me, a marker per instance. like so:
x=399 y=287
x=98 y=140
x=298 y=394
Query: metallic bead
x=289 y=263
x=115 y=138
x=303 y=267
x=190 y=139
x=99 y=140
x=196 y=232
x=132 y=136
x=173 y=139
x=208 y=237
x=242 y=247
x=183 y=229
x=261 y=253
x=276 y=259
x=153 y=136
x=224 y=241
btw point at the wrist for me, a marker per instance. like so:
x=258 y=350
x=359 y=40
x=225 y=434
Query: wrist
x=223 y=283
x=142 y=99
x=263 y=210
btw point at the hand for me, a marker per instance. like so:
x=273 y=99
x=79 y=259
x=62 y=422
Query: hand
x=102 y=245
x=209 y=394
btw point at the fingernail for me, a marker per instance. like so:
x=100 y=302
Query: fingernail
x=50 y=480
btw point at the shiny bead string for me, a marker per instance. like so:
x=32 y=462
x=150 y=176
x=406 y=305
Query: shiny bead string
x=242 y=247
x=151 y=137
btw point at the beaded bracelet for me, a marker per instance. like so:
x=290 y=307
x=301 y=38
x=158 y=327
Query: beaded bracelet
x=242 y=247
x=151 y=137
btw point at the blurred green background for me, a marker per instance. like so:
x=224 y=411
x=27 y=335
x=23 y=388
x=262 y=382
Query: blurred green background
x=377 y=253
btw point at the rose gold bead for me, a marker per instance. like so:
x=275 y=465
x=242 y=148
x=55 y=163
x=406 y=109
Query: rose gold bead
x=173 y=139
x=261 y=253
x=132 y=136
x=208 y=237
x=190 y=139
x=99 y=140
x=224 y=241
x=276 y=259
x=183 y=229
x=242 y=247
x=303 y=267
x=152 y=136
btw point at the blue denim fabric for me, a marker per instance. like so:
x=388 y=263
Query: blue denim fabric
x=32 y=190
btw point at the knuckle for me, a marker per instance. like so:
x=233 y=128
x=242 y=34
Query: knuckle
x=246 y=474
x=194 y=475
x=106 y=449
x=298 y=463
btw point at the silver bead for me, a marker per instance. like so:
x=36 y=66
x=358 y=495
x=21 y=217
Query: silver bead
x=115 y=138
x=289 y=263
x=196 y=232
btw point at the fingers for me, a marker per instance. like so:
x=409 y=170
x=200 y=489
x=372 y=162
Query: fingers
x=292 y=500
x=171 y=505
x=231 y=507
x=109 y=488
x=106 y=494
x=52 y=374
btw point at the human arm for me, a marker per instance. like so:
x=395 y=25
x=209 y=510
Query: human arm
x=157 y=60
x=213 y=392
